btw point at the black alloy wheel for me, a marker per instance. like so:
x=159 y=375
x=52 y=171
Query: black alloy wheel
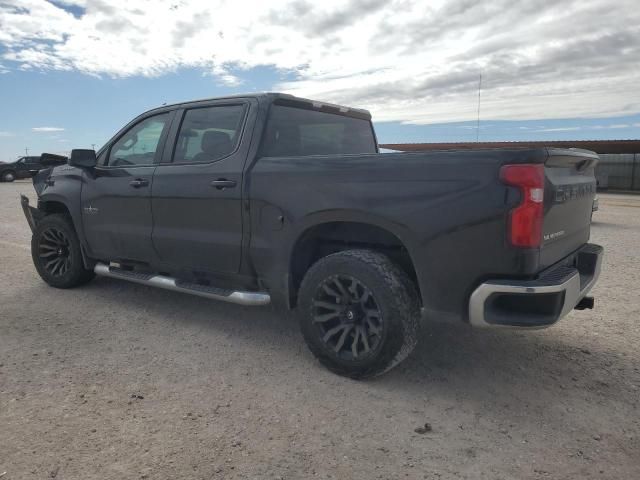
x=54 y=252
x=348 y=316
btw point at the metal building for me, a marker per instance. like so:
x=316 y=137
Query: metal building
x=618 y=169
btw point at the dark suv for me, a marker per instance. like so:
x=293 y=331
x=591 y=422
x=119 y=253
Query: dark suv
x=24 y=167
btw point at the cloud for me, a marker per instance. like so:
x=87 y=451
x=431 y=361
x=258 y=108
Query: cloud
x=47 y=129
x=560 y=129
x=406 y=60
x=225 y=77
x=6 y=134
x=615 y=126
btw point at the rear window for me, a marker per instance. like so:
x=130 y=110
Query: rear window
x=293 y=132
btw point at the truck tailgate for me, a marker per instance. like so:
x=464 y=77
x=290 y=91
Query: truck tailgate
x=570 y=187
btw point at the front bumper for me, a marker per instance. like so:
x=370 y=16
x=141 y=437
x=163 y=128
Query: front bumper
x=541 y=302
x=33 y=215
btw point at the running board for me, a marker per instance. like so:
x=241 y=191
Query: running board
x=168 y=283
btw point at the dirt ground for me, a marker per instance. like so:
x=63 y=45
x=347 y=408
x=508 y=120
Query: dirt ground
x=121 y=381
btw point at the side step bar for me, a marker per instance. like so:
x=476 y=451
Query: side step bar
x=168 y=283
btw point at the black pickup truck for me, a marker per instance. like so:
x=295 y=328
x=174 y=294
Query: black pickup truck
x=271 y=198
x=24 y=167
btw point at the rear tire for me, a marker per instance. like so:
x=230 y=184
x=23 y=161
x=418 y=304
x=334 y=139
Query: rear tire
x=8 y=176
x=359 y=313
x=56 y=253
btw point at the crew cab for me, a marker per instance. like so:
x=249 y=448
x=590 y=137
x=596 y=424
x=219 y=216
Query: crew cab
x=271 y=198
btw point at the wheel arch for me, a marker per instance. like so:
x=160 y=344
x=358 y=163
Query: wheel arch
x=323 y=238
x=49 y=207
x=54 y=204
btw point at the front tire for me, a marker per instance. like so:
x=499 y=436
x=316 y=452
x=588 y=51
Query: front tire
x=56 y=253
x=8 y=176
x=359 y=313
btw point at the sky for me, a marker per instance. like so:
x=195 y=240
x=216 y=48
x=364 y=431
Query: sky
x=72 y=72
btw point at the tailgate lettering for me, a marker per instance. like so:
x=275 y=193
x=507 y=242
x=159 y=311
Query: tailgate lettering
x=564 y=193
x=553 y=236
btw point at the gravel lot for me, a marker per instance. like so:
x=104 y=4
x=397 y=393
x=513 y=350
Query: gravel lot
x=121 y=381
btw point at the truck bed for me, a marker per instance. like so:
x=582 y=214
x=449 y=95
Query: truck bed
x=450 y=209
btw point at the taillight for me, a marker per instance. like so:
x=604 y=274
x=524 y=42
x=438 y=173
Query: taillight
x=525 y=221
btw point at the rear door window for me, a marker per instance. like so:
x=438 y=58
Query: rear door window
x=295 y=131
x=209 y=134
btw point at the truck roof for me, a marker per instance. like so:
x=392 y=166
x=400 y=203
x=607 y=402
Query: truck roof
x=285 y=98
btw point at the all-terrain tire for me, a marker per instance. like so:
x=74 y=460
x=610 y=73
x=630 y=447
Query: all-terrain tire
x=388 y=288
x=56 y=253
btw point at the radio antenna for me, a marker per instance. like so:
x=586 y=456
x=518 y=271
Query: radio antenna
x=478 y=122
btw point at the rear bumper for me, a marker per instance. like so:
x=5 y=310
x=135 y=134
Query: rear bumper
x=541 y=302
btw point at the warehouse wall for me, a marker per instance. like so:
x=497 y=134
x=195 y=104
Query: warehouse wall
x=619 y=171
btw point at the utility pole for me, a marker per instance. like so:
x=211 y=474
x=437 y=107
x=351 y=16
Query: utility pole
x=26 y=152
x=478 y=123
x=93 y=145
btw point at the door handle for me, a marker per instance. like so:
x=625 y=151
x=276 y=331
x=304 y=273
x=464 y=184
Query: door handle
x=139 y=182
x=223 y=183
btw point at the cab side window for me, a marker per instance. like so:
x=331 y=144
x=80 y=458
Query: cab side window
x=209 y=134
x=138 y=146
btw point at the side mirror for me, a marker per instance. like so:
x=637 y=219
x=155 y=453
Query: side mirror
x=83 y=158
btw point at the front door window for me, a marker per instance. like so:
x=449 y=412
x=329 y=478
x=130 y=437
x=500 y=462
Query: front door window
x=139 y=145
